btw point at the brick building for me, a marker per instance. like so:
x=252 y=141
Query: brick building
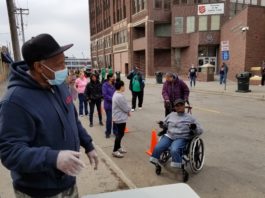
x=170 y=35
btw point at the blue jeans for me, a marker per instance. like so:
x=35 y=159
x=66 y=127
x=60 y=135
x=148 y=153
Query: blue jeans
x=82 y=104
x=109 y=123
x=192 y=79
x=177 y=148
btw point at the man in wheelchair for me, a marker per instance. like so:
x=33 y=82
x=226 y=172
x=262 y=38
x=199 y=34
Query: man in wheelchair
x=178 y=129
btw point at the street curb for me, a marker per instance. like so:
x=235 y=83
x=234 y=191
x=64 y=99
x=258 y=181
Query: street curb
x=115 y=168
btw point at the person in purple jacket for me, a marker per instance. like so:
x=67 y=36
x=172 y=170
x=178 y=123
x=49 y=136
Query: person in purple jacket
x=173 y=89
x=108 y=90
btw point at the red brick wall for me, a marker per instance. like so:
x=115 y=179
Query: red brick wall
x=231 y=31
x=255 y=46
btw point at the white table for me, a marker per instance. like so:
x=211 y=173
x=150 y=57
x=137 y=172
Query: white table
x=165 y=191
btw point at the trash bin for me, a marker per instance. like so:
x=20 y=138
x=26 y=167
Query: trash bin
x=159 y=77
x=243 y=82
x=118 y=74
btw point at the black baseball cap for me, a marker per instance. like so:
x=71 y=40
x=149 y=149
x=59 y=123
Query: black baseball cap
x=179 y=101
x=41 y=47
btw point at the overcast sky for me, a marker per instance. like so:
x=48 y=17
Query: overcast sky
x=66 y=20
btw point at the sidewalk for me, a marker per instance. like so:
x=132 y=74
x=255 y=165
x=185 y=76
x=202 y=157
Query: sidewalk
x=213 y=87
x=107 y=178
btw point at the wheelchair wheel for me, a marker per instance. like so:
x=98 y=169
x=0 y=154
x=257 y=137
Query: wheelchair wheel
x=158 y=169
x=196 y=154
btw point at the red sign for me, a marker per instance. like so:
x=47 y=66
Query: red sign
x=202 y=9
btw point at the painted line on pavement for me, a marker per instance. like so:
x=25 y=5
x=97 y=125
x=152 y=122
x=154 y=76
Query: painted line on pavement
x=208 y=110
x=119 y=172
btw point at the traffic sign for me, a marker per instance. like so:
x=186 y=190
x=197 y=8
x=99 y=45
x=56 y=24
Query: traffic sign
x=225 y=55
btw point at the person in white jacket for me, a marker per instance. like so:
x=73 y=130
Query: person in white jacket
x=180 y=128
x=120 y=113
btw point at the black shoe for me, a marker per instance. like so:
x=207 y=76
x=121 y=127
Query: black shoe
x=90 y=125
x=107 y=136
x=101 y=123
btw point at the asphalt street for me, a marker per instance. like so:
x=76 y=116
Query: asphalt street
x=234 y=140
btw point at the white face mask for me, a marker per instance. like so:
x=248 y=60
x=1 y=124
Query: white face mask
x=59 y=76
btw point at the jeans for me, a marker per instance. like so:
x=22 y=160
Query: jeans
x=109 y=123
x=177 y=148
x=140 y=96
x=192 y=79
x=221 y=78
x=82 y=104
x=92 y=104
x=262 y=79
x=119 y=136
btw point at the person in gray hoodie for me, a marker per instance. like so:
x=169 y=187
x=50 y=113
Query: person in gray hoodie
x=120 y=113
x=181 y=127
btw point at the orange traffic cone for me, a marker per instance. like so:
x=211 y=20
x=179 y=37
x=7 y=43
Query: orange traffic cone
x=126 y=130
x=153 y=142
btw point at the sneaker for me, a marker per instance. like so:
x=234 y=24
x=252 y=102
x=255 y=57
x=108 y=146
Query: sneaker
x=101 y=123
x=117 y=154
x=140 y=108
x=90 y=125
x=132 y=110
x=81 y=115
x=122 y=150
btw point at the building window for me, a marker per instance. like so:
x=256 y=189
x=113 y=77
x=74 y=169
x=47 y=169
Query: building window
x=215 y=22
x=202 y=23
x=176 y=2
x=163 y=30
x=184 y=1
x=178 y=25
x=247 y=1
x=262 y=3
x=158 y=3
x=166 y=4
x=254 y=2
x=139 y=5
x=190 y=24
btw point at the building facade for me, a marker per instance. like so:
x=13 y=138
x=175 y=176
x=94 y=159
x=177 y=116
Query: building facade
x=170 y=35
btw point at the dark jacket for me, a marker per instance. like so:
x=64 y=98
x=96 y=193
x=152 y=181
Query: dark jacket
x=141 y=79
x=35 y=124
x=107 y=91
x=93 y=90
x=175 y=90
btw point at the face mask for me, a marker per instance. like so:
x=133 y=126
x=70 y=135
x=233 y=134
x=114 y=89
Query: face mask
x=59 y=76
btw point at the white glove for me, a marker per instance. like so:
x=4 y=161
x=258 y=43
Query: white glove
x=93 y=158
x=69 y=162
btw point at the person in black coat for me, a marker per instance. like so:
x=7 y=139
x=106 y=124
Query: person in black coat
x=93 y=93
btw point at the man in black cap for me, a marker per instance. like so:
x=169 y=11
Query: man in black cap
x=178 y=127
x=40 y=134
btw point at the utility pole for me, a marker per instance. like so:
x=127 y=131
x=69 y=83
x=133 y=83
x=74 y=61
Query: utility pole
x=22 y=12
x=13 y=29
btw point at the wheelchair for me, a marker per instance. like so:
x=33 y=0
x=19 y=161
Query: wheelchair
x=193 y=156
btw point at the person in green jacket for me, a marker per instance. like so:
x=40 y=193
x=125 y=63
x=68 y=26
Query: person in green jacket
x=103 y=74
x=110 y=72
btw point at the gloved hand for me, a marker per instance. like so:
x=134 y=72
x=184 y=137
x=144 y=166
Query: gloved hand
x=93 y=158
x=193 y=126
x=161 y=124
x=69 y=162
x=164 y=131
x=167 y=104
